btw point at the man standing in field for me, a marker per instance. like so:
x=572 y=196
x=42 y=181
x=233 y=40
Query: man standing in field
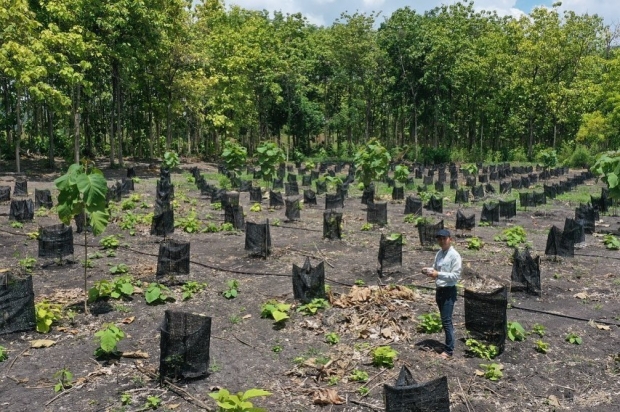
x=446 y=271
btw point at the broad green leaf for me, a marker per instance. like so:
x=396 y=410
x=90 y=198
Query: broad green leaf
x=612 y=180
x=279 y=316
x=152 y=295
x=253 y=393
x=108 y=341
x=93 y=188
x=99 y=220
x=127 y=288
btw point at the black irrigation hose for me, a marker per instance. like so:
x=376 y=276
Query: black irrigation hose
x=562 y=316
x=598 y=256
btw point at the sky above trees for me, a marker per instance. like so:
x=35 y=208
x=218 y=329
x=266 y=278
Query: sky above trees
x=324 y=12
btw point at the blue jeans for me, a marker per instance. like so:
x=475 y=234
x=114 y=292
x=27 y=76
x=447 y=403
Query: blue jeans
x=445 y=298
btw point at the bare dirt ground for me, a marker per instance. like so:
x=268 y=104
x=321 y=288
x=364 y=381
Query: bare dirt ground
x=579 y=295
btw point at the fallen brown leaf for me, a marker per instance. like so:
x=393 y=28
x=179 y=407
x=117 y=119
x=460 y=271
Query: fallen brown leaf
x=128 y=320
x=324 y=396
x=42 y=343
x=138 y=354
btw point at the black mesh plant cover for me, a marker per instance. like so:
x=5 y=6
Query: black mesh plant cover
x=163 y=219
x=245 y=185
x=435 y=204
x=368 y=195
x=113 y=195
x=606 y=201
x=462 y=196
x=454 y=184
x=234 y=215
x=291 y=178
x=131 y=172
x=533 y=178
x=257 y=174
x=258 y=238
x=465 y=222
x=291 y=189
x=309 y=197
x=485 y=316
x=275 y=199
x=333 y=201
x=256 y=196
x=493 y=176
x=483 y=178
x=470 y=181
x=17 y=313
x=218 y=195
x=560 y=244
x=306 y=180
x=278 y=184
x=164 y=190
x=127 y=186
x=309 y=282
x=508 y=209
x=428 y=180
x=314 y=174
x=172 y=260
x=489 y=188
x=55 y=241
x=390 y=251
x=525 y=272
x=80 y=223
x=21 y=187
x=490 y=213
x=526 y=200
x=230 y=198
x=549 y=191
x=398 y=193
x=321 y=187
x=430 y=173
x=438 y=187
x=21 y=210
x=5 y=193
x=576 y=229
x=409 y=396
x=343 y=191
x=427 y=233
x=539 y=198
x=477 y=192
x=43 y=198
x=516 y=183
x=184 y=345
x=505 y=187
x=332 y=224
x=376 y=213
x=587 y=214
x=525 y=182
x=280 y=173
x=441 y=178
x=413 y=206
x=390 y=182
x=293 y=209
x=418 y=173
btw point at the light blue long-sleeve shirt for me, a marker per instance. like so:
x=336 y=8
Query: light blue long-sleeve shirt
x=448 y=264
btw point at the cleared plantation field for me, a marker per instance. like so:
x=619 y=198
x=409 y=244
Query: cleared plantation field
x=312 y=362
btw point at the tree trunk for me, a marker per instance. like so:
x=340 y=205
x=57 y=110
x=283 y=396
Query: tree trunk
x=18 y=138
x=530 y=143
x=113 y=117
x=50 y=133
x=119 y=118
x=76 y=126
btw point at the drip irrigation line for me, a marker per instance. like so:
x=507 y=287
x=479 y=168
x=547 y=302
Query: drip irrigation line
x=562 y=316
x=598 y=256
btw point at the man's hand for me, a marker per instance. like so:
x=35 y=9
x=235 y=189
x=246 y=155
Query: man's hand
x=430 y=272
